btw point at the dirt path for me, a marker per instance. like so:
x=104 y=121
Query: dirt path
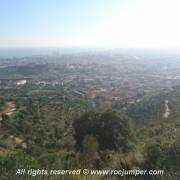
x=167 y=110
x=9 y=108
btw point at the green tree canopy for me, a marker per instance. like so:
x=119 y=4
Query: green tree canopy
x=111 y=129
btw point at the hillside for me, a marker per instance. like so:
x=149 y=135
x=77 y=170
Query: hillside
x=40 y=133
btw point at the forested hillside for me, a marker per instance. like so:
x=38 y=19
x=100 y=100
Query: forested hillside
x=49 y=130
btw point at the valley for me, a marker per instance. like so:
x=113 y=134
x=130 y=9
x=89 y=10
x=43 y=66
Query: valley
x=100 y=111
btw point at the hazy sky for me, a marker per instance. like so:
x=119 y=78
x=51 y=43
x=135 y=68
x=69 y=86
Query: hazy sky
x=99 y=23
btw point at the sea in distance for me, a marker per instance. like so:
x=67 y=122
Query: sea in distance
x=27 y=52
